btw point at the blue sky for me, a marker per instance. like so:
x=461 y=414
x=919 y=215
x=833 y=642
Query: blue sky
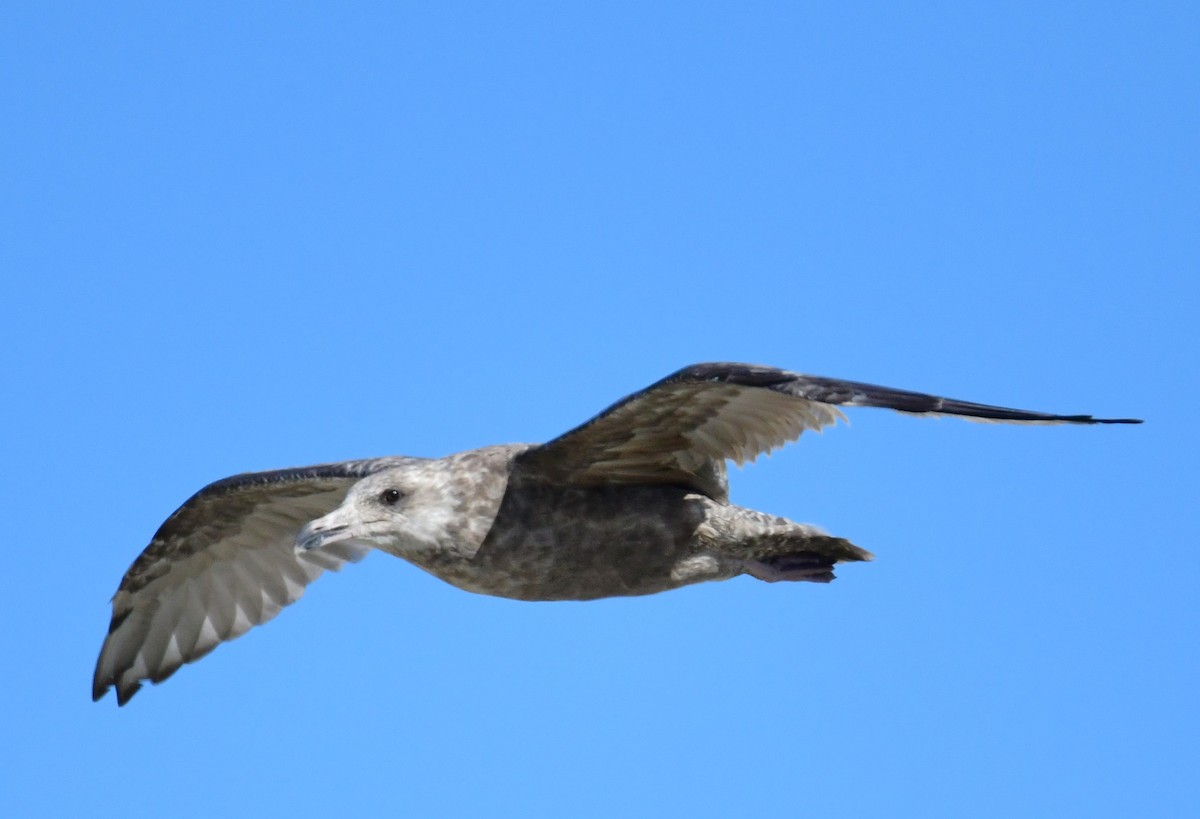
x=244 y=238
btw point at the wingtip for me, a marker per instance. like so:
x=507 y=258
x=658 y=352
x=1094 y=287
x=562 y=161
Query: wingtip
x=100 y=691
x=125 y=693
x=100 y=686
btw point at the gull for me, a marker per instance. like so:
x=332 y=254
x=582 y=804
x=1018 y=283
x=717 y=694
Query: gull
x=634 y=501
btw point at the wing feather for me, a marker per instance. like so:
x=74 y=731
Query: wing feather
x=187 y=629
x=223 y=563
x=683 y=428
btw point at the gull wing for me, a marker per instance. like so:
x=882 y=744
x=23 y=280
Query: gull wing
x=682 y=429
x=221 y=564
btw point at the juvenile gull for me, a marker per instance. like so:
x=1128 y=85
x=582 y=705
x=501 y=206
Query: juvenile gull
x=634 y=501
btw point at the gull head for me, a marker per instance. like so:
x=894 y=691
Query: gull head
x=407 y=511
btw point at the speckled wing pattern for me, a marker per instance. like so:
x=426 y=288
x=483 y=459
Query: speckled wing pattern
x=683 y=428
x=221 y=564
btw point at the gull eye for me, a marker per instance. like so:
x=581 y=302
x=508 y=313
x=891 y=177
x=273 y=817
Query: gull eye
x=390 y=496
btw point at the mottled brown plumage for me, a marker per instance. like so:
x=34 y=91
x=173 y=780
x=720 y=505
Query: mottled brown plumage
x=635 y=501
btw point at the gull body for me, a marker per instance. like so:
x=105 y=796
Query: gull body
x=474 y=521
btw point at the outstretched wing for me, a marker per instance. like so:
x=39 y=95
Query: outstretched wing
x=683 y=428
x=222 y=563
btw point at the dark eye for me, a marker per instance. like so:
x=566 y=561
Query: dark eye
x=390 y=496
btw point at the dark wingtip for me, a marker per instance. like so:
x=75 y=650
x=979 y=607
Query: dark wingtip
x=99 y=687
x=125 y=694
x=1116 y=421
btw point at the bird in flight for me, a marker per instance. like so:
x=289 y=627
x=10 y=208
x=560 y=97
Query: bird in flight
x=634 y=501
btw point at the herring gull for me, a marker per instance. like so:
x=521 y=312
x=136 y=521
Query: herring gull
x=635 y=501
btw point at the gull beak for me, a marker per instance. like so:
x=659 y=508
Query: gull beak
x=334 y=527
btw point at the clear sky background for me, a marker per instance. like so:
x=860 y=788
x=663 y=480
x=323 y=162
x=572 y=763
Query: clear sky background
x=238 y=238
